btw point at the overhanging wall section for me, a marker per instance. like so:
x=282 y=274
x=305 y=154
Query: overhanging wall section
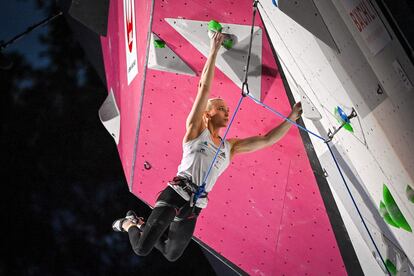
x=379 y=150
x=125 y=56
x=268 y=202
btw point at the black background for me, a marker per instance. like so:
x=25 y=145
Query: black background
x=62 y=180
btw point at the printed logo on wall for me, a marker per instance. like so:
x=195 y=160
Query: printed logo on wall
x=130 y=40
x=366 y=19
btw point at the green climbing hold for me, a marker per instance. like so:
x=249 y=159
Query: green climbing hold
x=214 y=26
x=348 y=127
x=159 y=43
x=410 y=193
x=391 y=267
x=393 y=210
x=384 y=213
x=228 y=43
x=343 y=119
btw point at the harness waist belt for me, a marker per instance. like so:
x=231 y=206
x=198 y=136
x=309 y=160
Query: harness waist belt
x=187 y=185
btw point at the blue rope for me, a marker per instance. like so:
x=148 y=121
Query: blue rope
x=356 y=207
x=286 y=118
x=201 y=189
x=337 y=166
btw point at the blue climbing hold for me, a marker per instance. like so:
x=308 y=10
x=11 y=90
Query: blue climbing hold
x=342 y=114
x=275 y=2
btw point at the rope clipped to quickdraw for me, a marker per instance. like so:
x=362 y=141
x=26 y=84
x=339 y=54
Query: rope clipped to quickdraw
x=356 y=207
x=201 y=189
x=245 y=92
x=327 y=141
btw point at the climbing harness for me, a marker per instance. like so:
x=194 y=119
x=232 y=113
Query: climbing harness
x=187 y=211
x=189 y=187
x=245 y=93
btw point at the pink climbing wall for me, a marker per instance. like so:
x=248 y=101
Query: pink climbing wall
x=265 y=213
x=127 y=96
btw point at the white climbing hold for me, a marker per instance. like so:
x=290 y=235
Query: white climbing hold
x=309 y=109
x=110 y=116
x=231 y=62
x=164 y=59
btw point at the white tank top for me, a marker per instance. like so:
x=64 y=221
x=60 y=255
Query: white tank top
x=197 y=157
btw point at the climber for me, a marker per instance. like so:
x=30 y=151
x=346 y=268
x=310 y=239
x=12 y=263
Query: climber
x=175 y=209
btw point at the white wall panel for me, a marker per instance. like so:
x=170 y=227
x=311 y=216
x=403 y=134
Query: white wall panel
x=380 y=150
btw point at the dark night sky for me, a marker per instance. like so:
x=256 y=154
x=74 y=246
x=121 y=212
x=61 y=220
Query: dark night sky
x=15 y=17
x=63 y=183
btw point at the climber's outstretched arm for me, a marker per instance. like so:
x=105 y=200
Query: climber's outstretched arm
x=255 y=143
x=194 y=123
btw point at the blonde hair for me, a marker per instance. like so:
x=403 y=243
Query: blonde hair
x=210 y=103
x=209 y=106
